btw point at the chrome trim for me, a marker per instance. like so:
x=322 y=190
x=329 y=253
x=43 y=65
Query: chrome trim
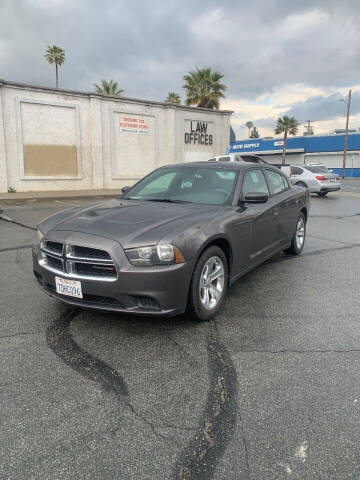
x=68 y=266
x=42 y=263
x=51 y=252
x=90 y=260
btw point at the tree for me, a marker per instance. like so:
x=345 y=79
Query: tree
x=254 y=133
x=173 y=98
x=109 y=88
x=249 y=126
x=55 y=55
x=203 y=88
x=287 y=126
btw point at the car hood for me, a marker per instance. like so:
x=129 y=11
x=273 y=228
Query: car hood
x=132 y=223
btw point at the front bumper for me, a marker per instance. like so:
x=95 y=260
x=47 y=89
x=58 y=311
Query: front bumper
x=158 y=290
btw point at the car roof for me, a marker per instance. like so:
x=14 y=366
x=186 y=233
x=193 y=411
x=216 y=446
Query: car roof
x=224 y=165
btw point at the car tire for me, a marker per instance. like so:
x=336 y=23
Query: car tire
x=203 y=288
x=298 y=239
x=322 y=194
x=301 y=184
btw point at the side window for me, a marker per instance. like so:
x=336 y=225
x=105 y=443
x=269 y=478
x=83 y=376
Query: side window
x=254 y=181
x=276 y=182
x=296 y=170
x=224 y=159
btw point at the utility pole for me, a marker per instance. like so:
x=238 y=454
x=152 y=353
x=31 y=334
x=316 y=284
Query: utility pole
x=346 y=132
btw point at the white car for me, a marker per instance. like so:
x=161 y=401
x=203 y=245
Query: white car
x=235 y=157
x=317 y=178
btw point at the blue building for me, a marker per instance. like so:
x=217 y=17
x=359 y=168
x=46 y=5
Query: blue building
x=325 y=149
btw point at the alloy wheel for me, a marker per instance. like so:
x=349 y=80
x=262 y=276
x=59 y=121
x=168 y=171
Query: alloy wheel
x=300 y=233
x=211 y=282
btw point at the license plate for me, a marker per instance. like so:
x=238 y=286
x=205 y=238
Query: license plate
x=71 y=288
x=332 y=179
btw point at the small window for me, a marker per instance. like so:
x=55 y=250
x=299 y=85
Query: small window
x=276 y=181
x=254 y=181
x=212 y=159
x=224 y=159
x=250 y=159
x=296 y=171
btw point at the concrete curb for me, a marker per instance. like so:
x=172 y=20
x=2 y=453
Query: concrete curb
x=32 y=197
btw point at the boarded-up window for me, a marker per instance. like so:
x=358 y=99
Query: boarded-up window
x=49 y=137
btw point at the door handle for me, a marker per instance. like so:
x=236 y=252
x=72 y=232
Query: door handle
x=275 y=211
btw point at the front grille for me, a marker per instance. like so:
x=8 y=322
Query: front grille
x=53 y=247
x=77 y=261
x=94 y=270
x=53 y=262
x=86 y=252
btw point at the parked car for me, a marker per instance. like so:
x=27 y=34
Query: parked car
x=175 y=240
x=323 y=168
x=235 y=157
x=317 y=178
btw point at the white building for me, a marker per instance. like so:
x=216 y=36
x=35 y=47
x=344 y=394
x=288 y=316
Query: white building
x=52 y=139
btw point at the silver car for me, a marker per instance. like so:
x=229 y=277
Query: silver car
x=317 y=178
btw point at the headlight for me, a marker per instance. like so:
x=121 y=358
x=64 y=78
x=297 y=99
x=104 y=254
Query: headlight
x=40 y=235
x=154 y=255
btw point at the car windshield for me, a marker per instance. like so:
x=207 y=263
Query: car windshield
x=205 y=185
x=317 y=169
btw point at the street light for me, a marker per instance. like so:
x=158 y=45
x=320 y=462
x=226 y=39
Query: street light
x=348 y=102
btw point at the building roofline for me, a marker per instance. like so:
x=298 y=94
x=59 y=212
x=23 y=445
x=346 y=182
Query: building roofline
x=296 y=136
x=43 y=88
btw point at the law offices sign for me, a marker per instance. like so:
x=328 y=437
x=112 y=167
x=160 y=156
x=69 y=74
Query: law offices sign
x=198 y=132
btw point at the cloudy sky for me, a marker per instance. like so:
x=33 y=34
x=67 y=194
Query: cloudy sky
x=278 y=57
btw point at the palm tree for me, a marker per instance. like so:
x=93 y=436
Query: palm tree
x=254 y=133
x=55 y=55
x=109 y=88
x=173 y=98
x=249 y=126
x=203 y=88
x=286 y=125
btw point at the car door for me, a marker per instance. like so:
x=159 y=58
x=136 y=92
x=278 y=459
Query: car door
x=264 y=234
x=284 y=205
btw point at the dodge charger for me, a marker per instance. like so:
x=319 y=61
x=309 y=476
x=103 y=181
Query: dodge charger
x=174 y=241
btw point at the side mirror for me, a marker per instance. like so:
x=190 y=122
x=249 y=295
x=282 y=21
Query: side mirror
x=256 y=197
x=125 y=189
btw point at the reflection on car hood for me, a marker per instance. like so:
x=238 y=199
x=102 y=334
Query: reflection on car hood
x=132 y=222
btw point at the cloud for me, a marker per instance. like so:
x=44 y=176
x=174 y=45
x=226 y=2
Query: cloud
x=324 y=107
x=276 y=55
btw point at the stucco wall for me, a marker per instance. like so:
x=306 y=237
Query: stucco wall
x=65 y=140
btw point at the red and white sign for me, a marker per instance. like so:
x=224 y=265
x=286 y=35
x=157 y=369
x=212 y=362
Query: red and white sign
x=138 y=126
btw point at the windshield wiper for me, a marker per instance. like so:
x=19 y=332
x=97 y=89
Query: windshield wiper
x=167 y=200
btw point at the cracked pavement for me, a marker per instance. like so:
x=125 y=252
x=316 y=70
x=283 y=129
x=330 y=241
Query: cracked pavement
x=271 y=390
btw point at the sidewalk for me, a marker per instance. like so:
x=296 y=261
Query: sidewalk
x=19 y=198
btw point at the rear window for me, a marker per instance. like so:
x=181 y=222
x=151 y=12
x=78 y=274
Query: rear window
x=296 y=170
x=317 y=169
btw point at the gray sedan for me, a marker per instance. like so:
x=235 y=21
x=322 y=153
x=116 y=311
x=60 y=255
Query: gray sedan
x=173 y=241
x=317 y=178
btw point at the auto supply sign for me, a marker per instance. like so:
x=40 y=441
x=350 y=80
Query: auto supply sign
x=134 y=125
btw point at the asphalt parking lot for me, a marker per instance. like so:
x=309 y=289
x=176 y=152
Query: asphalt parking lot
x=270 y=390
